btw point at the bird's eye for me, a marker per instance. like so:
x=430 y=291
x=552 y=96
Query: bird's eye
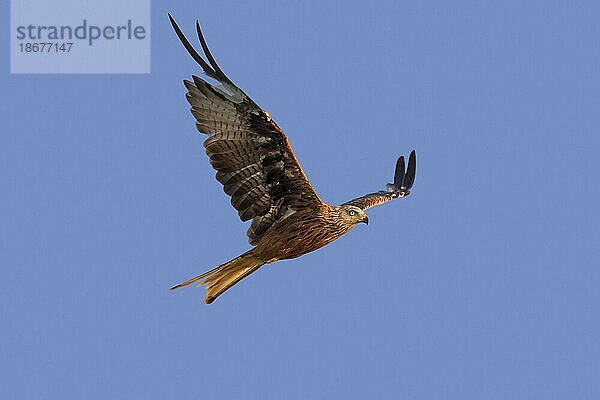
x=352 y=213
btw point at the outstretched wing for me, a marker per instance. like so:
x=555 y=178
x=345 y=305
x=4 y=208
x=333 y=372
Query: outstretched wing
x=252 y=156
x=403 y=182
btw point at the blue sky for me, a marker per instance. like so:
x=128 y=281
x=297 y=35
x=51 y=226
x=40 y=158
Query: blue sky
x=484 y=283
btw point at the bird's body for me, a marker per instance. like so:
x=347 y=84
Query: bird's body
x=303 y=232
x=258 y=169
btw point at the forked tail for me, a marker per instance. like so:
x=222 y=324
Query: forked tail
x=219 y=279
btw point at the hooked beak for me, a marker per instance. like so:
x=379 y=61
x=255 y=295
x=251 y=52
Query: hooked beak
x=365 y=220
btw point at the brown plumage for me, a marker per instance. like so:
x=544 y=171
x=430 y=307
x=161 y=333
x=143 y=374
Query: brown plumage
x=258 y=169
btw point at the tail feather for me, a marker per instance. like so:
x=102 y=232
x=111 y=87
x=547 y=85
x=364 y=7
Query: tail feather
x=221 y=278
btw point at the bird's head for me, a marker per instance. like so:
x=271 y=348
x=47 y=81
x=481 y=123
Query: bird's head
x=353 y=215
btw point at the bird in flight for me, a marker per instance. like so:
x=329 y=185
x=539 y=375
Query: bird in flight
x=257 y=167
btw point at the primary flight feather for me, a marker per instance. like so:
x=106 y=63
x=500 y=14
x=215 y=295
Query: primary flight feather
x=258 y=169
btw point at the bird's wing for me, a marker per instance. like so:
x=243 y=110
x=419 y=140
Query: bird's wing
x=403 y=182
x=252 y=156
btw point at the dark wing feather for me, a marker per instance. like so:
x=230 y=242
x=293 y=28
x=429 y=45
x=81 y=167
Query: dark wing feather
x=403 y=182
x=252 y=156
